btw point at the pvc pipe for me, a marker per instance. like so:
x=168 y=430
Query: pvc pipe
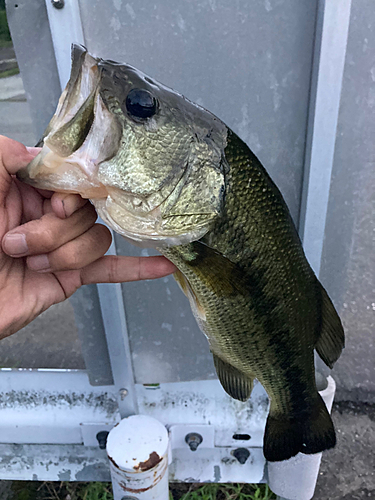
x=137 y=449
x=295 y=479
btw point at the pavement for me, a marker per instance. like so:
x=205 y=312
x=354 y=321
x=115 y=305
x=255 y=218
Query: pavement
x=11 y=89
x=347 y=472
x=8 y=59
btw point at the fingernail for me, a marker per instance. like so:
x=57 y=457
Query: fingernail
x=15 y=244
x=38 y=263
x=33 y=151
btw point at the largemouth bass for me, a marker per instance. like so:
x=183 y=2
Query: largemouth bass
x=166 y=173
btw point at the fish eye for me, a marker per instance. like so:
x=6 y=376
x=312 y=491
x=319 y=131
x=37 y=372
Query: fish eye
x=140 y=103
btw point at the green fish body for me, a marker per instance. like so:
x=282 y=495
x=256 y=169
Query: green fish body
x=261 y=307
x=166 y=173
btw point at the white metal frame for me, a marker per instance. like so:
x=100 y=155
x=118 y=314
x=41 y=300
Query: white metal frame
x=43 y=410
x=50 y=419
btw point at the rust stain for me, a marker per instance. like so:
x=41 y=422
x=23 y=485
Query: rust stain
x=139 y=490
x=153 y=460
x=114 y=463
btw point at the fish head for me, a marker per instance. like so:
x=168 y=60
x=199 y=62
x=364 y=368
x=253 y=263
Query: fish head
x=150 y=160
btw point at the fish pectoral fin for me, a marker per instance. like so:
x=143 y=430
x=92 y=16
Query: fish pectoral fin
x=185 y=286
x=331 y=340
x=182 y=281
x=219 y=274
x=234 y=382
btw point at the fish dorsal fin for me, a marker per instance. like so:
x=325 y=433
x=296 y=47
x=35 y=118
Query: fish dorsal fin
x=331 y=340
x=235 y=383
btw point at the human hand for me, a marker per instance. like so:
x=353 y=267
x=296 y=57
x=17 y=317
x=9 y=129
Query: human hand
x=51 y=245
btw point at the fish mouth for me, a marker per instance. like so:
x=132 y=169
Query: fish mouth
x=73 y=142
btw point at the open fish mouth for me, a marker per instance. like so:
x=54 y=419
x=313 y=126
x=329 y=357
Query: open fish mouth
x=83 y=152
x=78 y=133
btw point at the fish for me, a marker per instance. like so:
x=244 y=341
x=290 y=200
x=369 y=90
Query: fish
x=166 y=173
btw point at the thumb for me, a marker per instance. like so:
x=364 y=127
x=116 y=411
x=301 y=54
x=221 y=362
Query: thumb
x=13 y=156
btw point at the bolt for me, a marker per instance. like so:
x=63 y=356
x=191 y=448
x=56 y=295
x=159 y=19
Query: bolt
x=242 y=454
x=123 y=393
x=129 y=498
x=193 y=439
x=58 y=4
x=102 y=439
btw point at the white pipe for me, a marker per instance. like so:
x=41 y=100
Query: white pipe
x=137 y=448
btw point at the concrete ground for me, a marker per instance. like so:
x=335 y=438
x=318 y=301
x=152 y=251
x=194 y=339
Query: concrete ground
x=347 y=472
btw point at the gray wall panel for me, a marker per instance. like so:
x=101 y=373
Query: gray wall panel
x=250 y=64
x=32 y=41
x=165 y=341
x=247 y=62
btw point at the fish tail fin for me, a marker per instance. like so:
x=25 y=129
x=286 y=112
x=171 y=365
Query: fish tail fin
x=285 y=437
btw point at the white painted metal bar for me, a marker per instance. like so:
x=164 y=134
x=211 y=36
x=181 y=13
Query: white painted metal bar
x=328 y=68
x=114 y=320
x=54 y=406
x=52 y=462
x=66 y=28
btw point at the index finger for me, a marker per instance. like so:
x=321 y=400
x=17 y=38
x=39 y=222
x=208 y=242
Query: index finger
x=118 y=269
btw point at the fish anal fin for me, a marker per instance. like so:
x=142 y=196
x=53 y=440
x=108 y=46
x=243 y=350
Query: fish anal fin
x=284 y=437
x=234 y=382
x=332 y=339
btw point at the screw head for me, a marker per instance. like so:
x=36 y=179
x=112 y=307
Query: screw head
x=58 y=4
x=123 y=393
x=242 y=454
x=193 y=439
x=102 y=439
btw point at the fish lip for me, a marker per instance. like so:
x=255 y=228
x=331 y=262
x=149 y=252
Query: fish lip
x=78 y=54
x=83 y=82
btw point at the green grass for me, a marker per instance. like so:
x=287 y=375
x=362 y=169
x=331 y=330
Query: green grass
x=33 y=490
x=4 y=29
x=228 y=492
x=5 y=43
x=9 y=72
